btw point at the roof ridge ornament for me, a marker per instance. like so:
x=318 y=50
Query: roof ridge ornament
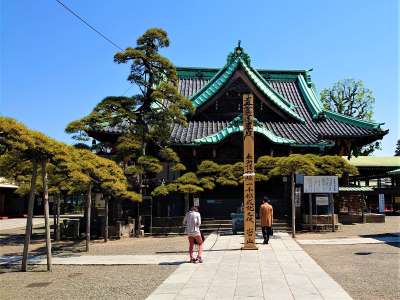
x=238 y=53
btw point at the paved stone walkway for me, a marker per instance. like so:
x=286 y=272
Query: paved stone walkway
x=352 y=240
x=280 y=270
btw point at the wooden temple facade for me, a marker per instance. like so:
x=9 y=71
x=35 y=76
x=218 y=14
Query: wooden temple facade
x=288 y=118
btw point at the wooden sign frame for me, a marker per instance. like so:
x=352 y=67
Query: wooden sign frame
x=249 y=206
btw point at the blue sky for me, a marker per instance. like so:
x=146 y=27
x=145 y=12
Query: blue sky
x=54 y=69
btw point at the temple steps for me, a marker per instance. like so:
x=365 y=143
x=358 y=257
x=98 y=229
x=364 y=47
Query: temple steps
x=218 y=225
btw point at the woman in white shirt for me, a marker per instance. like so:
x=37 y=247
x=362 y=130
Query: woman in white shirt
x=192 y=221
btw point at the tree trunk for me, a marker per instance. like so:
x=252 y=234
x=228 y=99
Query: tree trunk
x=46 y=213
x=293 y=206
x=106 y=218
x=88 y=212
x=55 y=218
x=28 y=229
x=58 y=212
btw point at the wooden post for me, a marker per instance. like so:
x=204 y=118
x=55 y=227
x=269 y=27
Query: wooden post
x=249 y=175
x=333 y=212
x=310 y=211
x=28 y=229
x=106 y=218
x=88 y=212
x=293 y=205
x=46 y=213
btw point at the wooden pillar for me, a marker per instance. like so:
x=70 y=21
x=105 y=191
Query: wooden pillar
x=249 y=175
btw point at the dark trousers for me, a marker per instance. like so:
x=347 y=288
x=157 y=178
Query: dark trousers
x=266 y=230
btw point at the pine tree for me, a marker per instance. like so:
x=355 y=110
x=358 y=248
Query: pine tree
x=143 y=119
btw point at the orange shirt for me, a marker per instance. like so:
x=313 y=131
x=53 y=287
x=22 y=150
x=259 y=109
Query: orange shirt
x=266 y=215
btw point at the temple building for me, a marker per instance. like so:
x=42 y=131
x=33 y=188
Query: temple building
x=288 y=118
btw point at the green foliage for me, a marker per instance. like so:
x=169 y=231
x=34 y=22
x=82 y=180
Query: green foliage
x=351 y=98
x=265 y=164
x=209 y=173
x=189 y=189
x=69 y=169
x=188 y=183
x=179 y=167
x=227 y=177
x=144 y=118
x=208 y=167
x=150 y=164
x=294 y=163
x=207 y=183
x=334 y=165
x=169 y=155
x=188 y=178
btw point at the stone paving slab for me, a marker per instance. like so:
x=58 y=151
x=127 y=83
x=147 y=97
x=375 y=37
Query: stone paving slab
x=280 y=270
x=352 y=241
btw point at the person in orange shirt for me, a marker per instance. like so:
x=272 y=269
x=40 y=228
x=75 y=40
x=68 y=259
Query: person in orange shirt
x=267 y=218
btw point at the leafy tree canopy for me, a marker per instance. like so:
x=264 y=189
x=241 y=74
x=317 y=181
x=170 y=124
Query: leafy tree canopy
x=144 y=118
x=209 y=173
x=351 y=98
x=69 y=169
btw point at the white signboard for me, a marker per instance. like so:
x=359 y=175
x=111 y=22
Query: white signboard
x=381 y=203
x=321 y=184
x=196 y=202
x=321 y=200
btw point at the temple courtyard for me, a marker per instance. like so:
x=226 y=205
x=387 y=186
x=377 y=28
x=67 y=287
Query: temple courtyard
x=360 y=262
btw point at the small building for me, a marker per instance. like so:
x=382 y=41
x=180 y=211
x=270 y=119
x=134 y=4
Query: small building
x=376 y=188
x=10 y=203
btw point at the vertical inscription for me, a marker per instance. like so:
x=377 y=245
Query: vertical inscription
x=249 y=175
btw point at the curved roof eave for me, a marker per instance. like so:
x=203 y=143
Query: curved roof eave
x=219 y=79
x=316 y=108
x=234 y=128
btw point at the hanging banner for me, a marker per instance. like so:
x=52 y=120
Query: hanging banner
x=249 y=175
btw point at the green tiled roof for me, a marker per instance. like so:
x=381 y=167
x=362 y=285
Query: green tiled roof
x=221 y=77
x=375 y=161
x=236 y=126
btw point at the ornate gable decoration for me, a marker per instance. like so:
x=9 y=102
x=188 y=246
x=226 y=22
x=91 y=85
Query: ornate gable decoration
x=238 y=52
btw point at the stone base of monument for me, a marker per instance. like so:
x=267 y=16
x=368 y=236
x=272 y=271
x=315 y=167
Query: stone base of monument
x=249 y=247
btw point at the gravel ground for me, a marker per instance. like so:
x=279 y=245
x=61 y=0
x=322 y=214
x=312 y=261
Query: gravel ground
x=11 y=243
x=391 y=226
x=83 y=282
x=365 y=271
